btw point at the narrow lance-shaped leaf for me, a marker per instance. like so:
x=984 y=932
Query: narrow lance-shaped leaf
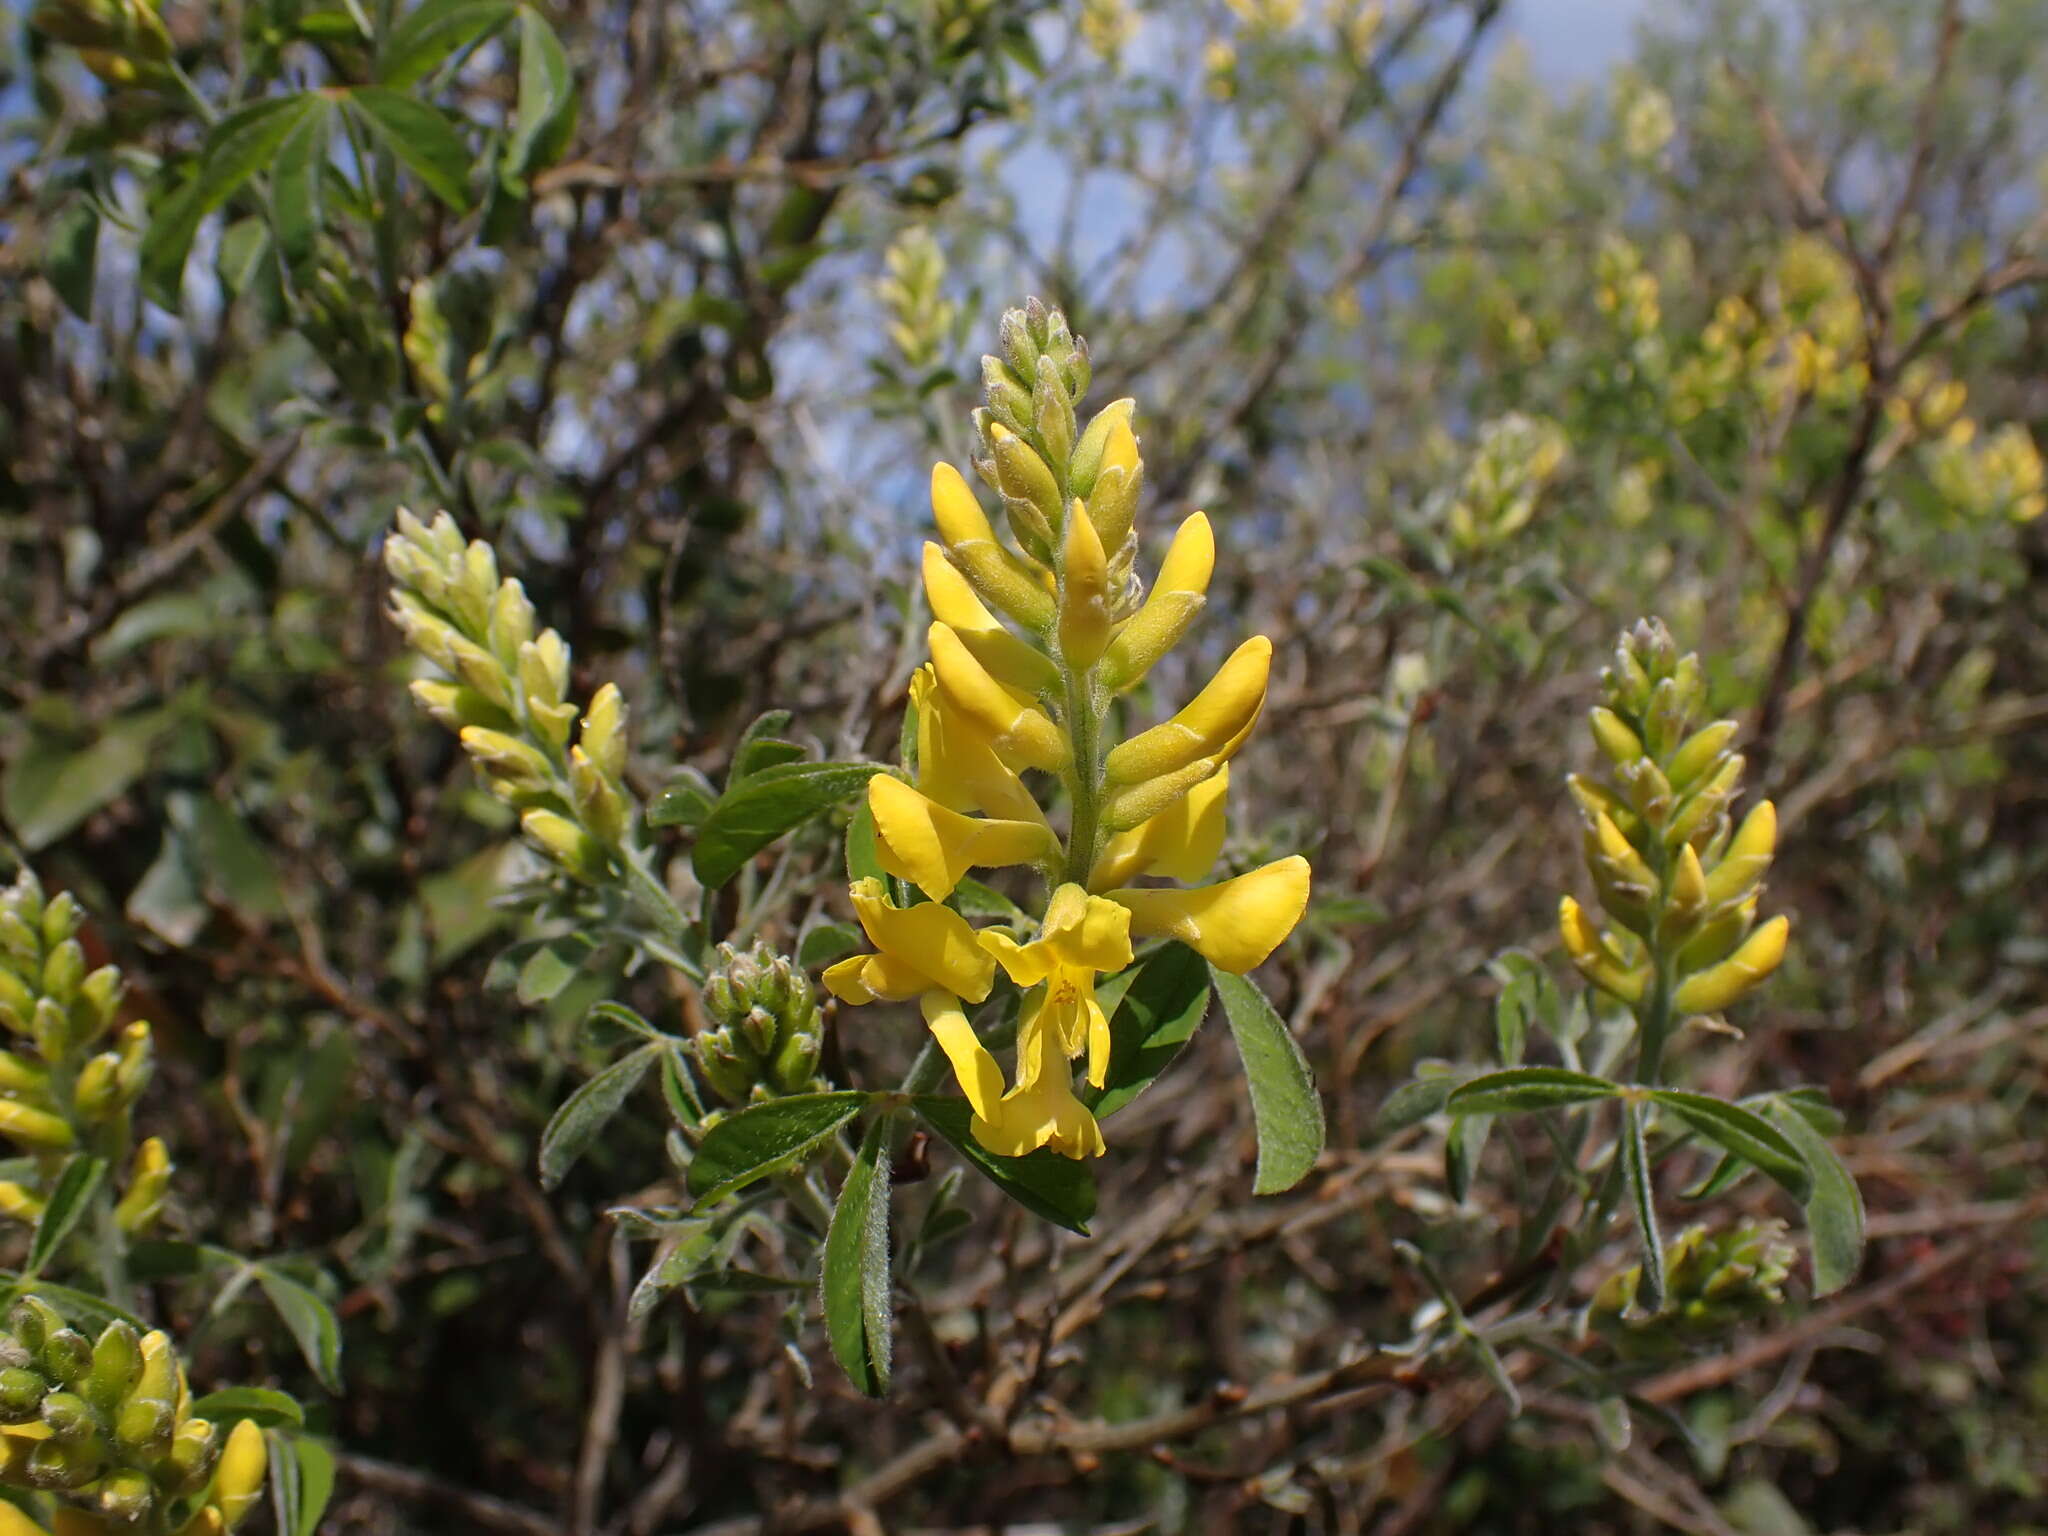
x=69 y=1201
x=1743 y=1132
x=310 y=1320
x=761 y=1139
x=1522 y=1090
x=1635 y=1160
x=584 y=1113
x=854 y=1277
x=1285 y=1109
x=420 y=136
x=771 y=802
x=1834 y=1210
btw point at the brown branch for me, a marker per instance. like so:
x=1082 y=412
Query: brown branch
x=480 y=1510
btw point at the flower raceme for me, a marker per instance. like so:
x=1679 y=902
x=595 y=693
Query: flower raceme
x=1031 y=649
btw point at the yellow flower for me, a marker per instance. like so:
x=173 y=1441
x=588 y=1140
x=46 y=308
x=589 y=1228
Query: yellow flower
x=1213 y=723
x=1081 y=935
x=955 y=764
x=1022 y=735
x=1009 y=660
x=921 y=841
x=1181 y=842
x=1234 y=924
x=1041 y=1111
x=998 y=575
x=1177 y=597
x=920 y=949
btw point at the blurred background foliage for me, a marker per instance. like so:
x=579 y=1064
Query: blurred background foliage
x=1478 y=329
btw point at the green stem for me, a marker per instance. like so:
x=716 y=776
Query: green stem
x=1654 y=1020
x=1084 y=731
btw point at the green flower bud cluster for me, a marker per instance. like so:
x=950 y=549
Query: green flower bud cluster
x=922 y=320
x=107 y=1424
x=1714 y=1281
x=1034 y=453
x=1676 y=876
x=1517 y=457
x=766 y=1042
x=64 y=1084
x=507 y=696
x=343 y=317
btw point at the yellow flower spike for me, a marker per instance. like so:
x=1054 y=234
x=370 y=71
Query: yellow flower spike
x=1081 y=935
x=1009 y=660
x=1221 y=712
x=1234 y=924
x=1085 y=625
x=955 y=764
x=921 y=841
x=1594 y=959
x=1177 y=597
x=1742 y=972
x=239 y=1479
x=1021 y=735
x=1180 y=842
x=925 y=948
x=1742 y=867
x=999 y=576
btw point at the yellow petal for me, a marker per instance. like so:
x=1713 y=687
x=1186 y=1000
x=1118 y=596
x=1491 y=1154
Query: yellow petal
x=979 y=1076
x=1041 y=1113
x=1742 y=972
x=1009 y=660
x=1026 y=964
x=955 y=764
x=1177 y=597
x=1086 y=931
x=1180 y=842
x=1235 y=924
x=1743 y=866
x=921 y=841
x=1085 y=625
x=14 y=1523
x=1020 y=734
x=847 y=980
x=998 y=575
x=931 y=940
x=1221 y=713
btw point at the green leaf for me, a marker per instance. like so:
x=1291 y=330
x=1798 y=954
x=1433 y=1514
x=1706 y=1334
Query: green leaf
x=70 y=1199
x=240 y=145
x=761 y=1139
x=772 y=802
x=1743 y=1132
x=431 y=33
x=1415 y=1101
x=1520 y=1090
x=587 y=1111
x=422 y=138
x=261 y=1404
x=684 y=802
x=1061 y=1189
x=1162 y=1008
x=310 y=1320
x=974 y=899
x=301 y=1480
x=295 y=182
x=1834 y=1210
x=761 y=746
x=236 y=862
x=89 y=1312
x=51 y=786
x=827 y=942
x=1285 y=1109
x=863 y=861
x=1635 y=1167
x=854 y=1277
x=545 y=115
x=71 y=255
x=552 y=967
x=1463 y=1148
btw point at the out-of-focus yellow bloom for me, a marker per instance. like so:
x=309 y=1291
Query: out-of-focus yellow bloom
x=239 y=1480
x=1081 y=936
x=919 y=949
x=1233 y=924
x=919 y=840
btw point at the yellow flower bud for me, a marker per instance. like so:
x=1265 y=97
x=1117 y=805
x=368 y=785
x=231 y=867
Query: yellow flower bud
x=34 y=1128
x=1698 y=753
x=1742 y=867
x=1717 y=938
x=1613 y=736
x=1720 y=985
x=1085 y=626
x=239 y=1480
x=1009 y=660
x=1686 y=902
x=599 y=804
x=999 y=576
x=1176 y=598
x=1180 y=842
x=1020 y=734
x=604 y=732
x=505 y=756
x=1595 y=959
x=1028 y=487
x=149 y=1176
x=19 y=1204
x=1086 y=463
x=1699 y=813
x=1113 y=503
x=1220 y=714
x=1619 y=855
x=563 y=841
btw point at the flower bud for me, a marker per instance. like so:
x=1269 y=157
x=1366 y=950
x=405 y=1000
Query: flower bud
x=60 y=1466
x=566 y=843
x=195 y=1447
x=19 y=1203
x=1009 y=660
x=506 y=757
x=604 y=732
x=51 y=1027
x=96 y=1093
x=61 y=919
x=31 y=1320
x=116 y=1366
x=1718 y=986
x=149 y=1176
x=1222 y=713
x=63 y=970
x=70 y=1417
x=1595 y=959
x=1176 y=599
x=21 y=1078
x=1030 y=491
x=1699 y=813
x=1086 y=463
x=240 y=1479
x=137 y=1063
x=17 y=1002
x=99 y=995
x=1000 y=577
x=21 y=1394
x=1009 y=402
x=1053 y=411
x=1742 y=867
x=67 y=1355
x=35 y=1129
x=1020 y=734
x=1085 y=627
x=599 y=805
x=1613 y=736
x=126 y=1495
x=1699 y=753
